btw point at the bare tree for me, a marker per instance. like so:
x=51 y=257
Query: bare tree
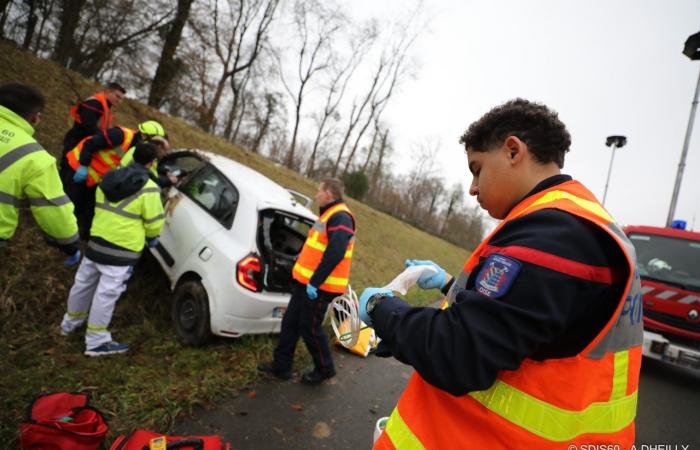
x=390 y=70
x=238 y=38
x=315 y=27
x=69 y=18
x=168 y=65
x=456 y=196
x=341 y=73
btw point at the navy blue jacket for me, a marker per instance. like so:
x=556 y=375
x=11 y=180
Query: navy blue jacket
x=113 y=138
x=90 y=112
x=340 y=229
x=544 y=314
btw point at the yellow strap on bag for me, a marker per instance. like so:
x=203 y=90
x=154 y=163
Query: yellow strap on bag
x=366 y=341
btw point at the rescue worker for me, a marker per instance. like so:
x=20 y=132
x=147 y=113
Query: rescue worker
x=92 y=115
x=92 y=158
x=321 y=272
x=28 y=171
x=538 y=345
x=128 y=215
x=161 y=177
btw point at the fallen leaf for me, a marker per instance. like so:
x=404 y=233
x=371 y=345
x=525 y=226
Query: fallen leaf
x=297 y=407
x=321 y=430
x=299 y=429
x=252 y=394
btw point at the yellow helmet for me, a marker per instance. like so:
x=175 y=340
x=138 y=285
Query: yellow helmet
x=152 y=128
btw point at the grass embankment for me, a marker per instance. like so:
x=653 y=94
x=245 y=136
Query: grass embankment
x=159 y=379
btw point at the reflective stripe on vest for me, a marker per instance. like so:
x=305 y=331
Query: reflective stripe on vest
x=312 y=253
x=611 y=361
x=18 y=153
x=103 y=160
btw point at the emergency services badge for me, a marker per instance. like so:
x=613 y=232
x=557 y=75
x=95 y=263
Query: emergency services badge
x=497 y=275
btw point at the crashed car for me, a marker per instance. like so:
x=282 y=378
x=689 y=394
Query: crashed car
x=228 y=245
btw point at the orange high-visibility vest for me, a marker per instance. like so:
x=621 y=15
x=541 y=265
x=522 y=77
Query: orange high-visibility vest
x=312 y=253
x=589 y=398
x=105 y=119
x=103 y=160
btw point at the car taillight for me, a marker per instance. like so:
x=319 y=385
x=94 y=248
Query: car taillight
x=248 y=273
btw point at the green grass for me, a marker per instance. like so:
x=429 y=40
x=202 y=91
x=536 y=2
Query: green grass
x=159 y=379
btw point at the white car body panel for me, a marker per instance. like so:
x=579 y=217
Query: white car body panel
x=201 y=245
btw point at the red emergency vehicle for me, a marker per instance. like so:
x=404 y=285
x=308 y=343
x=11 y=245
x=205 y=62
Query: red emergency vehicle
x=668 y=262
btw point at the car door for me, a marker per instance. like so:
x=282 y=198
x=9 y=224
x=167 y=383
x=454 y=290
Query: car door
x=203 y=204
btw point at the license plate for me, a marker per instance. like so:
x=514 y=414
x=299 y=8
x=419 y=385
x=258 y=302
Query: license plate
x=689 y=360
x=278 y=312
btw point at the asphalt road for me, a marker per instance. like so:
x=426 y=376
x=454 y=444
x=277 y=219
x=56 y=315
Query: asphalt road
x=341 y=413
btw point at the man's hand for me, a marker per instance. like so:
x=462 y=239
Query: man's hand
x=80 y=175
x=153 y=242
x=435 y=280
x=311 y=292
x=73 y=259
x=366 y=294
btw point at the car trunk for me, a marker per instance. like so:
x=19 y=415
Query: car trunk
x=281 y=236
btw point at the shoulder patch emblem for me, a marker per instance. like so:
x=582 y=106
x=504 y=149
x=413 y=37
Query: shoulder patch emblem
x=497 y=275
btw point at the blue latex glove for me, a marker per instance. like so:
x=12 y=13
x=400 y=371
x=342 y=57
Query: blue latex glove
x=80 y=175
x=72 y=260
x=366 y=294
x=311 y=292
x=153 y=242
x=429 y=280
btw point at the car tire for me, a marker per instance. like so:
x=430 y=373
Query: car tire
x=190 y=313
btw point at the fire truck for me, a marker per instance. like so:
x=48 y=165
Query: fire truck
x=668 y=263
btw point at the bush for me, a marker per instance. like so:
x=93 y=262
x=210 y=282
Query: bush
x=356 y=184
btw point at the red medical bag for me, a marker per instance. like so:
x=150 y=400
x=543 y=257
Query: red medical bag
x=139 y=439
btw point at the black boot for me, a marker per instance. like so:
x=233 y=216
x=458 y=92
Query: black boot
x=269 y=369
x=315 y=377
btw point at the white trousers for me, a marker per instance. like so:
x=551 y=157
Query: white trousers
x=93 y=297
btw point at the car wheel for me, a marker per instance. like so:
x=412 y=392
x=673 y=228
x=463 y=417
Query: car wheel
x=190 y=313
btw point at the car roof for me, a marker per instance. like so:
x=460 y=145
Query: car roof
x=663 y=231
x=252 y=183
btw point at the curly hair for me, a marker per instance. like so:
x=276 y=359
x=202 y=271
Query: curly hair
x=533 y=123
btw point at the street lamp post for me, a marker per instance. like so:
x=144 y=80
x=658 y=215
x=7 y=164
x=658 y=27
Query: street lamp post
x=615 y=142
x=692 y=51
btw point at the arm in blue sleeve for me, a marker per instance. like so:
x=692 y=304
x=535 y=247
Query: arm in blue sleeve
x=98 y=142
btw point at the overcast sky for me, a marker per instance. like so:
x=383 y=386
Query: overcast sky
x=607 y=66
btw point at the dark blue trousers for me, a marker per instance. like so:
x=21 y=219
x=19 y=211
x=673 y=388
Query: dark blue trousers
x=304 y=317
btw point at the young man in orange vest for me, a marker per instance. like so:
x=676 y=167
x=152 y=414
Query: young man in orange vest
x=321 y=273
x=538 y=345
x=92 y=158
x=92 y=115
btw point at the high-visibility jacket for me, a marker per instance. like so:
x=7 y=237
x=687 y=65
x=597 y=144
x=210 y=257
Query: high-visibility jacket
x=103 y=160
x=312 y=253
x=589 y=398
x=128 y=158
x=105 y=118
x=122 y=227
x=28 y=171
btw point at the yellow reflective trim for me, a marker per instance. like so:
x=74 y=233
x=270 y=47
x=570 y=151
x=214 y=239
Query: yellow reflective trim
x=592 y=207
x=553 y=423
x=316 y=245
x=77 y=314
x=400 y=434
x=308 y=273
x=619 y=381
x=97 y=328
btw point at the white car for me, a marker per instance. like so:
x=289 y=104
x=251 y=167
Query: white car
x=230 y=238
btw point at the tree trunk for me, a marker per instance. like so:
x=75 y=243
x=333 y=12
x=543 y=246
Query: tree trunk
x=65 y=48
x=32 y=19
x=3 y=10
x=167 y=66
